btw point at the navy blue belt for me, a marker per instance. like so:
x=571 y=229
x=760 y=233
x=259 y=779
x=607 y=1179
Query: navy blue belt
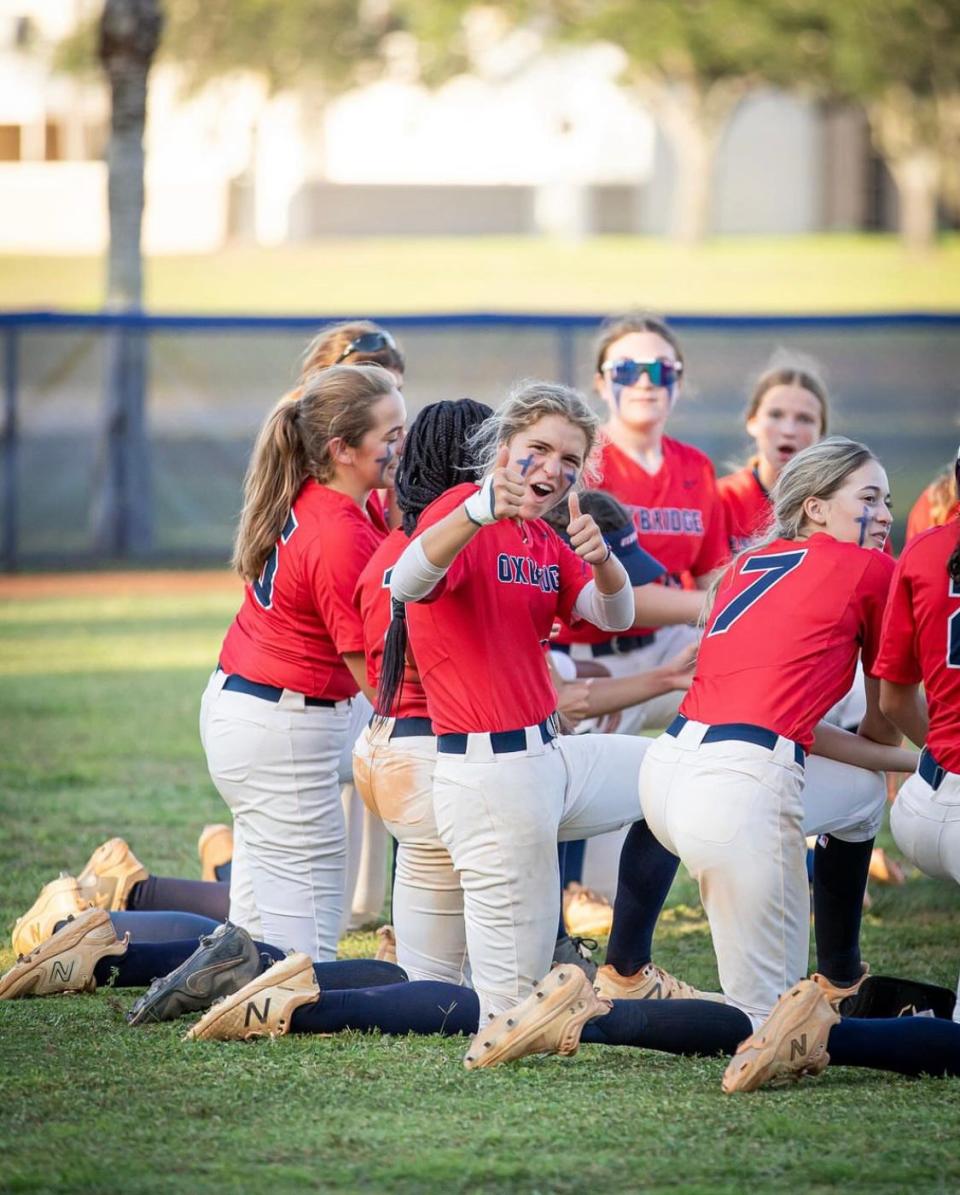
x=501 y=741
x=619 y=645
x=240 y=684
x=740 y=732
x=930 y=770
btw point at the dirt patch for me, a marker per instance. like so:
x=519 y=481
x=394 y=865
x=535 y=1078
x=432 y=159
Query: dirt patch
x=150 y=583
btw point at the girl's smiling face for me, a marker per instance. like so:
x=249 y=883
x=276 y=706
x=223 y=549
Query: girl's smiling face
x=642 y=406
x=549 y=455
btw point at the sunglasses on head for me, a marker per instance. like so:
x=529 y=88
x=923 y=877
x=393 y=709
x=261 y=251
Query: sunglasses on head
x=626 y=371
x=368 y=342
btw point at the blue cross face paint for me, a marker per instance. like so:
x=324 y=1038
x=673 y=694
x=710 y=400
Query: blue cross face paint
x=864 y=522
x=386 y=460
x=524 y=464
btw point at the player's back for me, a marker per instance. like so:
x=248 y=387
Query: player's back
x=783 y=637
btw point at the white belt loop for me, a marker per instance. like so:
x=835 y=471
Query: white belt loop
x=691 y=734
x=289 y=700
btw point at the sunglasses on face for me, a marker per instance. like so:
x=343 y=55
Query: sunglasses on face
x=368 y=342
x=626 y=371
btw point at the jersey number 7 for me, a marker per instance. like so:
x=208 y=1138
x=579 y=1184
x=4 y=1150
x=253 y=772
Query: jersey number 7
x=771 y=569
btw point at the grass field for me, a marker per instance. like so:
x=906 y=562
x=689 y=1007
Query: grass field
x=395 y=276
x=99 y=686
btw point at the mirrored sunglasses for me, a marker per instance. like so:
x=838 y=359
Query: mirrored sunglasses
x=626 y=371
x=368 y=342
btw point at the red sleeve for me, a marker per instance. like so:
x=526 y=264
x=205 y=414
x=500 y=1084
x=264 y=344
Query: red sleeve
x=715 y=546
x=897 y=660
x=874 y=590
x=919 y=518
x=574 y=575
x=333 y=564
x=437 y=510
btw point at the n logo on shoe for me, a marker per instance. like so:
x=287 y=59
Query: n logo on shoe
x=253 y=1011
x=60 y=972
x=798 y=1047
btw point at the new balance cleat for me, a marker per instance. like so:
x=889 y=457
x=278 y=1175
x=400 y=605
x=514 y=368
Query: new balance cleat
x=649 y=983
x=215 y=848
x=110 y=874
x=834 y=993
x=65 y=962
x=549 y=1021
x=791 y=1043
x=223 y=962
x=57 y=901
x=263 y=1007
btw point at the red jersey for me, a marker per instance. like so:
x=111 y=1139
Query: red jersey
x=746 y=505
x=372 y=599
x=783 y=638
x=298 y=618
x=921 y=517
x=921 y=636
x=677 y=514
x=478 y=636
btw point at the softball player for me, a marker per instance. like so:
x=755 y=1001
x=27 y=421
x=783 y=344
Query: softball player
x=787 y=412
x=276 y=717
x=921 y=642
x=484 y=579
x=394 y=758
x=669 y=488
x=725 y=787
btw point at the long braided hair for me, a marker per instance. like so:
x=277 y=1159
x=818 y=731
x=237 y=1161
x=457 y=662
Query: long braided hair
x=438 y=453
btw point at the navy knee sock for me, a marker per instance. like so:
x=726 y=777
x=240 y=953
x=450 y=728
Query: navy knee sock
x=347 y=973
x=643 y=882
x=906 y=1045
x=572 y=870
x=420 y=1007
x=161 y=927
x=840 y=872
x=224 y=871
x=185 y=896
x=673 y=1026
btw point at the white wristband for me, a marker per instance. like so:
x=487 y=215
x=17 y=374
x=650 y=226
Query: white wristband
x=479 y=507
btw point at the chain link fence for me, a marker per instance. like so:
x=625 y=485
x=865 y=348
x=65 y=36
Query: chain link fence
x=89 y=478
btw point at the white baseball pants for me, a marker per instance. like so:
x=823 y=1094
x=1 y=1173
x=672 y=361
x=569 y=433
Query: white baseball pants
x=395 y=779
x=276 y=767
x=501 y=816
x=367 y=839
x=736 y=815
x=926 y=824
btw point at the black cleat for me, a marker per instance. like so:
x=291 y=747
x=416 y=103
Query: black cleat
x=222 y=964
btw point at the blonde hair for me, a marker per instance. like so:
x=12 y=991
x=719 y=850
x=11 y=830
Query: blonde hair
x=816 y=472
x=525 y=405
x=294 y=445
x=942 y=496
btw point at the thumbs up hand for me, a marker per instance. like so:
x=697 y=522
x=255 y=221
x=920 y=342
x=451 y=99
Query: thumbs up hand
x=584 y=534
x=501 y=495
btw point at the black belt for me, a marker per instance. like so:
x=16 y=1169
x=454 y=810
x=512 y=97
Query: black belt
x=740 y=732
x=407 y=728
x=930 y=770
x=240 y=684
x=501 y=741
x=619 y=645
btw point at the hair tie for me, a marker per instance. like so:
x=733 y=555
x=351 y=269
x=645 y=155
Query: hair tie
x=398 y=609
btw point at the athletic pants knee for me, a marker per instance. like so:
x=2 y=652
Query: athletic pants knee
x=926 y=824
x=276 y=767
x=500 y=816
x=842 y=800
x=733 y=812
x=367 y=839
x=395 y=779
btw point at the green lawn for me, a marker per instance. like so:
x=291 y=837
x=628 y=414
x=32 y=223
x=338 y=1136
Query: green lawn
x=396 y=276
x=99 y=690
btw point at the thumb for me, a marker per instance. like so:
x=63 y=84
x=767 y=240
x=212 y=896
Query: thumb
x=573 y=502
x=503 y=457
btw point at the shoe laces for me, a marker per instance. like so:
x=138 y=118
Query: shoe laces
x=585 y=947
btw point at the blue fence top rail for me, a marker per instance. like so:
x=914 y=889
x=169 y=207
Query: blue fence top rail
x=474 y=319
